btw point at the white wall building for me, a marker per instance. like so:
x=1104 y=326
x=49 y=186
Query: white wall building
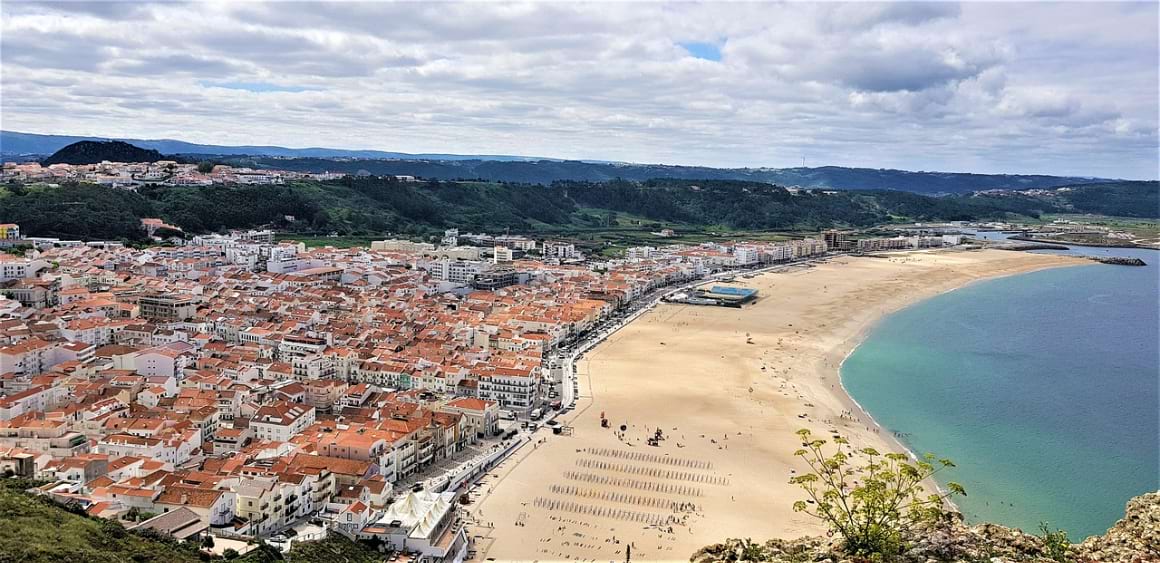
x=281 y=421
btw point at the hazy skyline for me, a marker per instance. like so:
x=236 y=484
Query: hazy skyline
x=1068 y=89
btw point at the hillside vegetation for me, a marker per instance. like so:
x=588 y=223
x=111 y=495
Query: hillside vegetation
x=94 y=152
x=1123 y=199
x=372 y=205
x=35 y=529
x=549 y=171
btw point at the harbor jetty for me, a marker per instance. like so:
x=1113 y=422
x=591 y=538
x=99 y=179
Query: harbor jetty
x=1118 y=260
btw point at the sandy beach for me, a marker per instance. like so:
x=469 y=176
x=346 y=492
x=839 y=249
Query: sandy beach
x=727 y=388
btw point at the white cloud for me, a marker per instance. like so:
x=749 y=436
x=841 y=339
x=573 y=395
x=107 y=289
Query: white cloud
x=1049 y=88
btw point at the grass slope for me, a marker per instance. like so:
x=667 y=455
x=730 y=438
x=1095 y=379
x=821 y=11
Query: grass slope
x=34 y=529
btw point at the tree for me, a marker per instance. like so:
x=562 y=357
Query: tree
x=872 y=504
x=230 y=553
x=205 y=167
x=207 y=541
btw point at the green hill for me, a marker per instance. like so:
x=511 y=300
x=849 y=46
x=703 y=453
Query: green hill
x=93 y=152
x=373 y=206
x=548 y=171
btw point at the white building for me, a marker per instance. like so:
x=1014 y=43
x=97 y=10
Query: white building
x=460 y=272
x=282 y=421
x=395 y=245
x=502 y=254
x=450 y=238
x=14 y=268
x=29 y=357
x=514 y=390
x=422 y=522
x=560 y=250
x=746 y=255
x=639 y=252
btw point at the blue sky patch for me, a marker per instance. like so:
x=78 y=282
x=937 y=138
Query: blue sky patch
x=702 y=50
x=255 y=86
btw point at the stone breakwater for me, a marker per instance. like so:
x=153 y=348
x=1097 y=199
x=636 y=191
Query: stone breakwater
x=1119 y=261
x=1134 y=539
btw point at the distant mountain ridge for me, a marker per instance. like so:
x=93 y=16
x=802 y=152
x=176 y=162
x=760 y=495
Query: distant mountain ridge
x=504 y=168
x=14 y=143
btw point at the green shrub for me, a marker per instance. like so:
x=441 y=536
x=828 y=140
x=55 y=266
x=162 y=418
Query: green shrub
x=1055 y=543
x=871 y=505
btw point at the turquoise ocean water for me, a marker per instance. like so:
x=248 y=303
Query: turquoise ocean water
x=1044 y=388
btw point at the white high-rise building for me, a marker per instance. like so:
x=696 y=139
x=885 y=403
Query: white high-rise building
x=560 y=250
x=502 y=254
x=745 y=255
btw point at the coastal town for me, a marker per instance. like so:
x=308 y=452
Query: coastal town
x=244 y=388
x=571 y=282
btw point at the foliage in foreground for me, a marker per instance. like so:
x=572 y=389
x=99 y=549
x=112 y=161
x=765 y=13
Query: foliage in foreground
x=34 y=529
x=335 y=548
x=871 y=500
x=1133 y=539
x=1055 y=543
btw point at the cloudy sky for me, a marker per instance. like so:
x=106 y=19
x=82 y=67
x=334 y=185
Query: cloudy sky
x=1058 y=88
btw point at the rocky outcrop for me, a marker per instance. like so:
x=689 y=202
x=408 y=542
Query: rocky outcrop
x=1134 y=539
x=1119 y=261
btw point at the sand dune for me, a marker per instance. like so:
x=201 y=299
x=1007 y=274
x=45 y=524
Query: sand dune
x=727 y=388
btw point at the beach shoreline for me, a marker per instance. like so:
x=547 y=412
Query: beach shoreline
x=862 y=335
x=783 y=374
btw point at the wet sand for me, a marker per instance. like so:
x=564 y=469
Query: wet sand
x=727 y=388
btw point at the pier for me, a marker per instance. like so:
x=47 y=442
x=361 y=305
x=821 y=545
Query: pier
x=1118 y=260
